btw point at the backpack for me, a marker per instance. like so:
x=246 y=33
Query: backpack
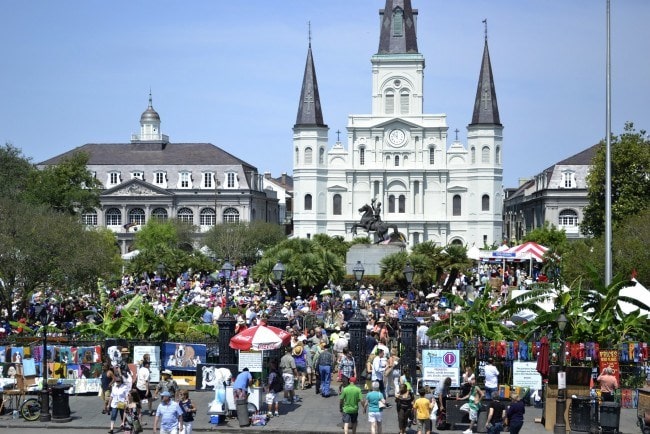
x=277 y=383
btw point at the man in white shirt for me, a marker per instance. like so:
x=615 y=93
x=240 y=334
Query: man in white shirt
x=491 y=379
x=379 y=364
x=142 y=383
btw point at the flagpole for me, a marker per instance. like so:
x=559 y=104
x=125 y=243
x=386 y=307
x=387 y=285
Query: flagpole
x=608 y=154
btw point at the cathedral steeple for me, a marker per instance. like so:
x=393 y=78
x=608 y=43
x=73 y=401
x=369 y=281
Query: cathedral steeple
x=486 y=109
x=397 y=34
x=309 y=109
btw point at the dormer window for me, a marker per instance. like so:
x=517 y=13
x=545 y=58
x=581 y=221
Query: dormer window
x=160 y=179
x=231 y=180
x=208 y=180
x=184 y=180
x=569 y=179
x=137 y=175
x=114 y=178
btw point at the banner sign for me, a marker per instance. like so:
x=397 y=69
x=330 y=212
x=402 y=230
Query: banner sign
x=609 y=359
x=440 y=364
x=524 y=374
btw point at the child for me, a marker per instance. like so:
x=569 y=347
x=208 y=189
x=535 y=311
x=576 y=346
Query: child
x=423 y=408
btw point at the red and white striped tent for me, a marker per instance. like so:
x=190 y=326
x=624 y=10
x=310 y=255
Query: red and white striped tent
x=536 y=251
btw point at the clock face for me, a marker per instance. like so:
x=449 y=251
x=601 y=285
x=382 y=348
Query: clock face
x=397 y=137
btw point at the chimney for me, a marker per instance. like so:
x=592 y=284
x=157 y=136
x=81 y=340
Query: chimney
x=267 y=175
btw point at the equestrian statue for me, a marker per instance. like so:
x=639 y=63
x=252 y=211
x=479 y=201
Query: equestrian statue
x=371 y=221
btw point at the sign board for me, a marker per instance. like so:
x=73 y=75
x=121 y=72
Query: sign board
x=251 y=360
x=440 y=364
x=524 y=374
x=504 y=254
x=154 y=357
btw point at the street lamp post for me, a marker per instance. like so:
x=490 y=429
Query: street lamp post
x=560 y=402
x=358 y=272
x=357 y=325
x=44 y=318
x=227 y=269
x=278 y=275
x=408 y=330
x=160 y=270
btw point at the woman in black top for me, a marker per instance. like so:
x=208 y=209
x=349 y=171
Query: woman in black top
x=404 y=404
x=515 y=414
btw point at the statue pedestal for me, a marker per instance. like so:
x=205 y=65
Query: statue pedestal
x=370 y=256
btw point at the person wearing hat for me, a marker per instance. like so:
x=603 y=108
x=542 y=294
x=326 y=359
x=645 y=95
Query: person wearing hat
x=300 y=358
x=166 y=384
x=170 y=415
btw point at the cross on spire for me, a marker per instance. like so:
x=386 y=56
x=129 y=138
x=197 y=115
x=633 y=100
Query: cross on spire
x=485 y=22
x=456 y=131
x=338 y=135
x=309 y=26
x=309 y=100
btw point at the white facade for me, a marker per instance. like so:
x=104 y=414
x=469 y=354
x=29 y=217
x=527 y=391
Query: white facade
x=400 y=156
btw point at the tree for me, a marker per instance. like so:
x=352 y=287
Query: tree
x=243 y=242
x=66 y=187
x=630 y=155
x=549 y=236
x=15 y=171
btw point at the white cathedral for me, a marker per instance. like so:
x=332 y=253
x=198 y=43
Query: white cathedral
x=399 y=155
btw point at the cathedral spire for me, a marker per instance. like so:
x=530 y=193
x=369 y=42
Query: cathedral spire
x=397 y=34
x=486 y=109
x=309 y=109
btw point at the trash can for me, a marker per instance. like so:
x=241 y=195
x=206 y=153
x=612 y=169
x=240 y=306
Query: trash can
x=242 y=412
x=60 y=403
x=610 y=416
x=580 y=413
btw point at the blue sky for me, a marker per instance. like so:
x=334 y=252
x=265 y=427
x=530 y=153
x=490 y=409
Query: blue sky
x=229 y=72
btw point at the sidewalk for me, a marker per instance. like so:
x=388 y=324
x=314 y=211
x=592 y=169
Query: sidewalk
x=313 y=414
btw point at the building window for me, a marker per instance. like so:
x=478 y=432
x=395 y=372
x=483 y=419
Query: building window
x=137 y=216
x=396 y=160
x=391 y=204
x=568 y=179
x=401 y=206
x=208 y=217
x=404 y=103
x=498 y=157
x=308 y=202
x=89 y=218
x=473 y=154
x=456 y=205
x=568 y=217
x=362 y=156
x=432 y=155
x=297 y=156
x=185 y=215
x=321 y=156
x=114 y=178
x=389 y=107
x=398 y=22
x=113 y=217
x=137 y=175
x=231 y=179
x=485 y=154
x=416 y=238
x=336 y=204
x=160 y=178
x=159 y=214
x=230 y=215
x=184 y=180
x=308 y=157
x=207 y=179
x=485 y=203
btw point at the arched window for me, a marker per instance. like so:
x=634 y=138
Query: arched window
x=401 y=206
x=396 y=160
x=336 y=204
x=185 y=215
x=230 y=215
x=485 y=203
x=498 y=156
x=297 y=155
x=456 y=205
x=457 y=242
x=568 y=217
x=113 y=217
x=308 y=202
x=391 y=204
x=308 y=157
x=473 y=154
x=136 y=216
x=404 y=102
x=485 y=154
x=432 y=155
x=389 y=105
x=89 y=218
x=362 y=156
x=207 y=217
x=321 y=155
x=159 y=214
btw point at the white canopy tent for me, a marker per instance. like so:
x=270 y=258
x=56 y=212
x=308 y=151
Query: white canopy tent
x=638 y=292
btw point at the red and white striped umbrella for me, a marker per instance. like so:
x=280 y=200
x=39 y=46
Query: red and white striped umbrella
x=535 y=250
x=260 y=338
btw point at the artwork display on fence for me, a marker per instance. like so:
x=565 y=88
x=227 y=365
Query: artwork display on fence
x=208 y=376
x=183 y=357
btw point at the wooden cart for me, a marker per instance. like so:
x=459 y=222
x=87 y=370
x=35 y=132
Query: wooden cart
x=643 y=410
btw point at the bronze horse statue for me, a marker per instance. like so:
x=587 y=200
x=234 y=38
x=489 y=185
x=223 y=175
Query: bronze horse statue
x=371 y=224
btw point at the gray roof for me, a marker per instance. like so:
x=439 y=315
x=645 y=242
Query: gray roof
x=582 y=158
x=486 y=110
x=153 y=153
x=407 y=41
x=309 y=109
